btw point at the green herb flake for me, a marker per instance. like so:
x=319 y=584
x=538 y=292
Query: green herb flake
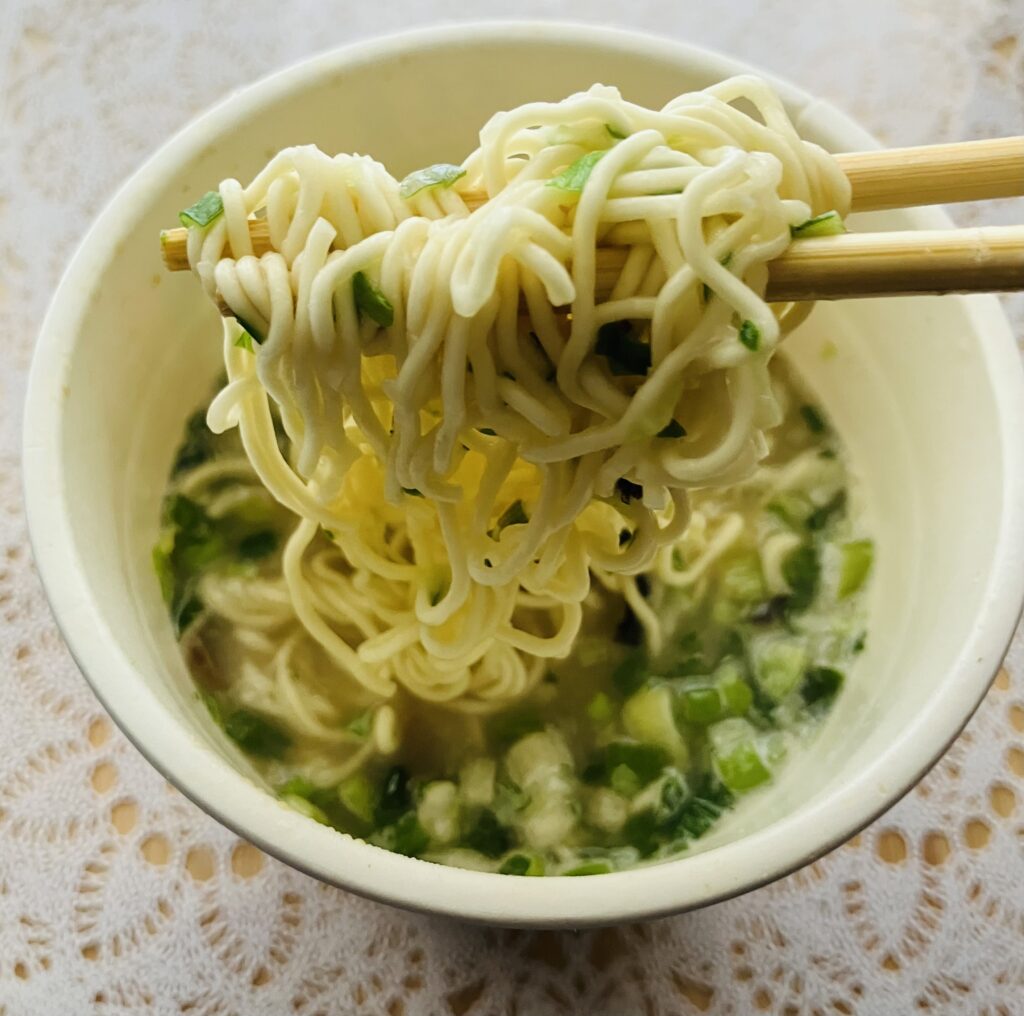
x=204 y=211
x=361 y=724
x=256 y=734
x=814 y=420
x=441 y=174
x=574 y=177
x=750 y=335
x=371 y=302
x=626 y=355
x=244 y=341
x=826 y=224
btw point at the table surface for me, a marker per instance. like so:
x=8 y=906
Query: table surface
x=119 y=896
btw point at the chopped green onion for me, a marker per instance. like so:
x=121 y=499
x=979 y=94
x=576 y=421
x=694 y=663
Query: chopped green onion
x=256 y=734
x=212 y=707
x=574 y=177
x=358 y=796
x=251 y=330
x=508 y=727
x=706 y=291
x=244 y=341
x=590 y=868
x=641 y=832
x=406 y=836
x=441 y=174
x=645 y=760
x=624 y=781
x=737 y=698
x=814 y=420
x=701 y=706
x=703 y=809
x=304 y=807
x=599 y=708
x=820 y=517
x=626 y=355
x=750 y=335
x=802 y=571
x=258 y=545
x=395 y=797
x=742 y=768
x=361 y=724
x=826 y=224
x=630 y=674
x=522 y=864
x=298 y=786
x=371 y=301
x=487 y=835
x=204 y=211
x=821 y=685
x=198 y=445
x=778 y=662
x=857 y=558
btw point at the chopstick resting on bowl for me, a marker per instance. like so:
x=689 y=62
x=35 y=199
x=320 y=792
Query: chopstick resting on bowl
x=848 y=265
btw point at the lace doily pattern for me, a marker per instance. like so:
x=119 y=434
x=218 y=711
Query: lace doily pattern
x=117 y=896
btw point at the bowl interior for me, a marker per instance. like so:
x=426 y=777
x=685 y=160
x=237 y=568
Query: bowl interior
x=922 y=391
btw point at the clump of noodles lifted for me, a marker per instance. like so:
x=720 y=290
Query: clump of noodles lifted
x=473 y=455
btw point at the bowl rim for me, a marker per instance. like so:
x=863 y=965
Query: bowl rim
x=177 y=753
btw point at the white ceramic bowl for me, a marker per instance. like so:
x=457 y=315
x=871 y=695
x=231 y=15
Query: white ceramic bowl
x=927 y=393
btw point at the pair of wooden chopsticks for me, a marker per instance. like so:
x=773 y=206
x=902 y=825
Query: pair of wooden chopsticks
x=984 y=260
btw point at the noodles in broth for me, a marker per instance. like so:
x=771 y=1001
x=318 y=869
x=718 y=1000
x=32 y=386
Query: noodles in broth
x=478 y=443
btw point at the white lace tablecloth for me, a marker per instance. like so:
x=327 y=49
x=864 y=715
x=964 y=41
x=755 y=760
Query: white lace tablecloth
x=117 y=896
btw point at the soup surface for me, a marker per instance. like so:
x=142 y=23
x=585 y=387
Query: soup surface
x=679 y=697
